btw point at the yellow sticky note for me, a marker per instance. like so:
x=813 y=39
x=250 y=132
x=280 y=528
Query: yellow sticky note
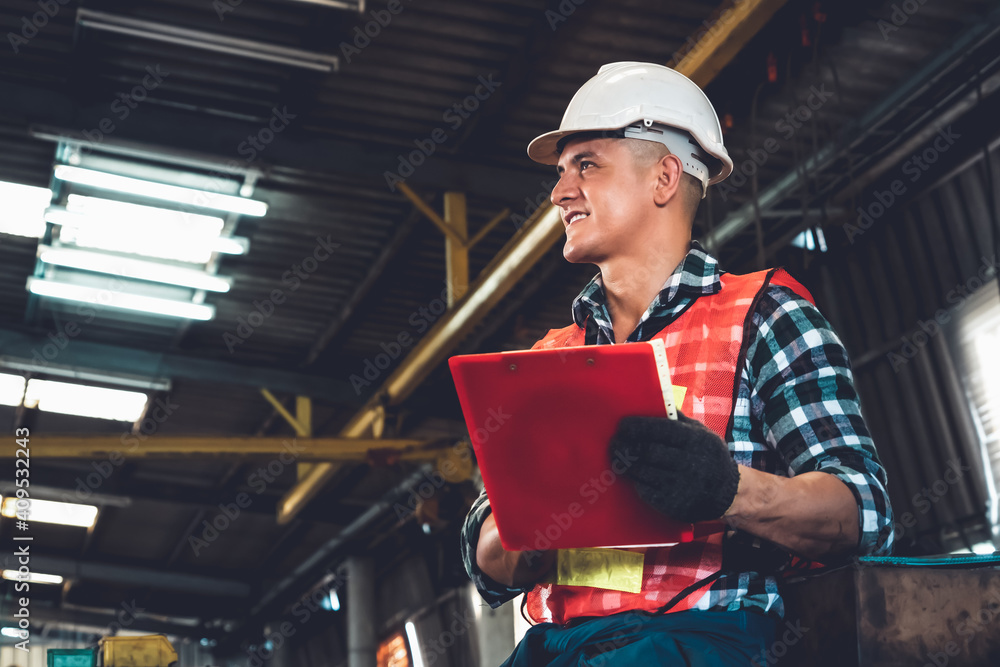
x=614 y=569
x=679 y=394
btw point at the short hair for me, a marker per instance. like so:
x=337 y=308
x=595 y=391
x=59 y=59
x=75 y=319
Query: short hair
x=647 y=153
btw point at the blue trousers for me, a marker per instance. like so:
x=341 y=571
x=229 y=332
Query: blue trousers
x=690 y=638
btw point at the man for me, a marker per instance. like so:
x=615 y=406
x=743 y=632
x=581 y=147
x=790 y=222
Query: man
x=771 y=457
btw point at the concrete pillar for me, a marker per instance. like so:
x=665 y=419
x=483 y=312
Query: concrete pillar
x=494 y=630
x=360 y=607
x=521 y=626
x=496 y=636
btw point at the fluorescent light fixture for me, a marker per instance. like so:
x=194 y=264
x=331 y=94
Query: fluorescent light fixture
x=121 y=300
x=126 y=213
x=11 y=389
x=231 y=245
x=805 y=240
x=23 y=209
x=85 y=401
x=411 y=635
x=208 y=41
x=158 y=242
x=127 y=267
x=332 y=601
x=51 y=511
x=162 y=191
x=105 y=224
x=820 y=239
x=9 y=487
x=33 y=577
x=16 y=633
x=82 y=375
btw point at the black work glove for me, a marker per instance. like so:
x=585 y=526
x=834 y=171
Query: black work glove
x=678 y=467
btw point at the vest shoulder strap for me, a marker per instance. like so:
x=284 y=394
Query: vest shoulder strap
x=758 y=281
x=754 y=283
x=784 y=279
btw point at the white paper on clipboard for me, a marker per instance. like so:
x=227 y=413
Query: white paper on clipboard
x=663 y=370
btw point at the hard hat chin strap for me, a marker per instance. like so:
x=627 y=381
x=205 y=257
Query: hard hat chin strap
x=678 y=142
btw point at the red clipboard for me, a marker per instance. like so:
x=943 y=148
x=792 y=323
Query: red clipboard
x=540 y=422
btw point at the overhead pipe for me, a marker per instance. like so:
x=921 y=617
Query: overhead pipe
x=870 y=122
x=208 y=41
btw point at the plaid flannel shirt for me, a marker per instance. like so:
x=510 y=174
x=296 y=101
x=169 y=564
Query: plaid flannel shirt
x=796 y=411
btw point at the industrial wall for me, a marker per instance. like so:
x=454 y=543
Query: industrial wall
x=896 y=292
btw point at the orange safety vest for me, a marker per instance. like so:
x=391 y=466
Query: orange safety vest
x=705 y=346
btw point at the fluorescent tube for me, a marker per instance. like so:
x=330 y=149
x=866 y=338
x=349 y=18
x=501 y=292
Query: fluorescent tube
x=33 y=578
x=85 y=401
x=122 y=300
x=51 y=511
x=22 y=209
x=128 y=267
x=173 y=193
x=416 y=655
x=11 y=389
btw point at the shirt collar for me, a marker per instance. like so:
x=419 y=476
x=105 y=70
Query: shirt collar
x=696 y=276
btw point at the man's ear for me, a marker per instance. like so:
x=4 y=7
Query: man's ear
x=669 y=171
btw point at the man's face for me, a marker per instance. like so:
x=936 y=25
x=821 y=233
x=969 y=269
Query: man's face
x=604 y=199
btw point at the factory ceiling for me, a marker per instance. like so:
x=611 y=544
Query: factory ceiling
x=321 y=112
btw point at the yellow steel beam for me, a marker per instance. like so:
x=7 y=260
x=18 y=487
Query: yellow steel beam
x=456 y=254
x=526 y=247
x=303 y=415
x=378 y=421
x=97 y=447
x=300 y=428
x=301 y=422
x=430 y=213
x=497 y=219
x=734 y=25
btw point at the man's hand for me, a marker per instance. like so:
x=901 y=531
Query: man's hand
x=681 y=468
x=514 y=569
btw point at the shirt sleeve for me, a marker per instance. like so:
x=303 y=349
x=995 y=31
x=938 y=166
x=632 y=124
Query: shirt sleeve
x=803 y=394
x=492 y=592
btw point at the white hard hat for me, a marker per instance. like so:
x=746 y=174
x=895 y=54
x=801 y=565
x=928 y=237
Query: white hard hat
x=650 y=102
